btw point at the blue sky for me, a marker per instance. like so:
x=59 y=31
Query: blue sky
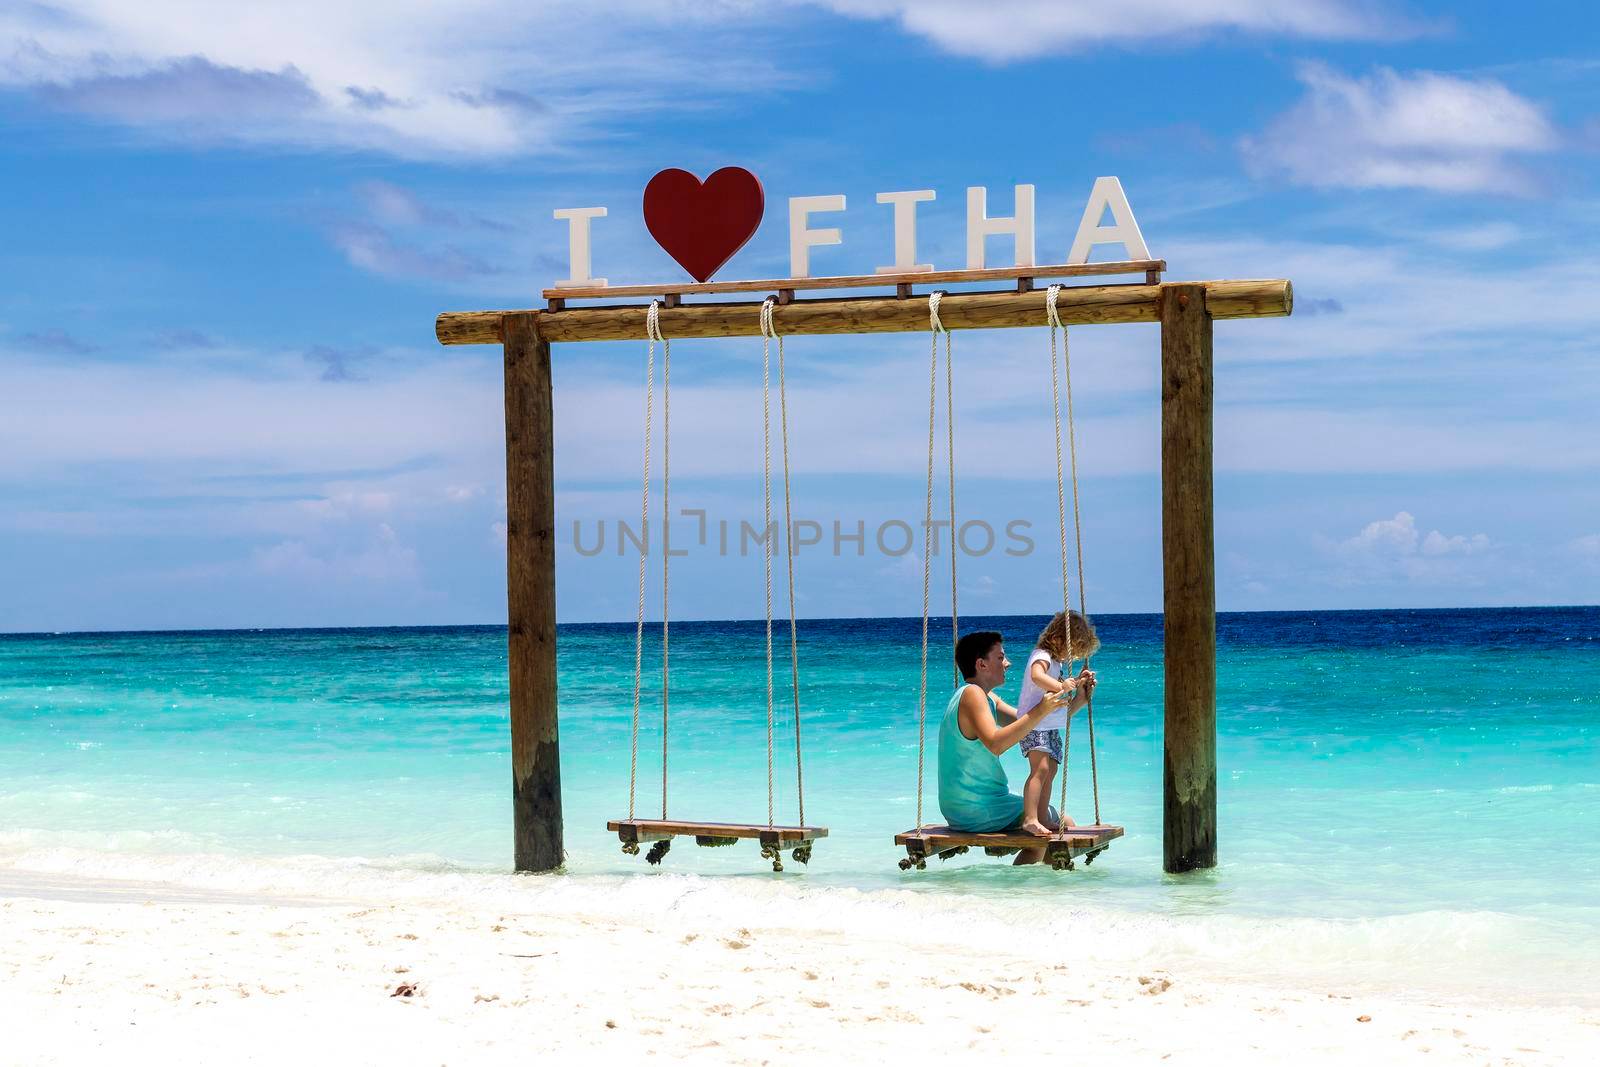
x=227 y=233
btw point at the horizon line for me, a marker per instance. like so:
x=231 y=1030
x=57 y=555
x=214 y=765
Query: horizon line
x=655 y=623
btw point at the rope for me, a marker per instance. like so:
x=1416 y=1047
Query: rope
x=1054 y=317
x=927 y=529
x=766 y=494
x=950 y=465
x=652 y=329
x=788 y=542
x=1077 y=526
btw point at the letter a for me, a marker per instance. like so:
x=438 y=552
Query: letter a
x=1107 y=193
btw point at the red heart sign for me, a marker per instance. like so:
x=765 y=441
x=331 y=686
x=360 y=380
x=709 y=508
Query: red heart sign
x=702 y=224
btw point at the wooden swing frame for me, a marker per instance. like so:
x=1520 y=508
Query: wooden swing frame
x=1185 y=310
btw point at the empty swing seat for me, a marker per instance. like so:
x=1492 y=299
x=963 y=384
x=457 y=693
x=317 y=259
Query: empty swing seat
x=773 y=839
x=1060 y=849
x=633 y=831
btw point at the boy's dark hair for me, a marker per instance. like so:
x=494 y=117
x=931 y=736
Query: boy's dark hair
x=973 y=647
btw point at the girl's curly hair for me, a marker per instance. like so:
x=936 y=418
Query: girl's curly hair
x=1053 y=639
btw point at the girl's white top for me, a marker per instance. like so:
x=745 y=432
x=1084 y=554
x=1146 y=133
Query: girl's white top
x=1032 y=694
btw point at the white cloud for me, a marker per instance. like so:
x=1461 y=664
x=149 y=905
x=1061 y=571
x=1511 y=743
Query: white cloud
x=1393 y=130
x=1437 y=544
x=1483 y=237
x=348 y=503
x=1588 y=546
x=275 y=417
x=373 y=248
x=1004 y=30
x=393 y=232
x=382 y=559
x=409 y=77
x=190 y=89
x=490 y=78
x=1394 y=549
x=393 y=205
x=1399 y=537
x=1403 y=306
x=1398 y=534
x=254 y=445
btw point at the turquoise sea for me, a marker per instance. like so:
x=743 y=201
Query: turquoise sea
x=1407 y=798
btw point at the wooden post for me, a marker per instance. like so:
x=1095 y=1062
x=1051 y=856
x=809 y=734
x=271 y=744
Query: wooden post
x=1189 y=587
x=531 y=596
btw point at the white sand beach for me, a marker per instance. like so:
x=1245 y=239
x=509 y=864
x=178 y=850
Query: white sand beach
x=108 y=971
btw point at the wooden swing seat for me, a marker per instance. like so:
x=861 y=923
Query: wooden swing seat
x=926 y=842
x=633 y=831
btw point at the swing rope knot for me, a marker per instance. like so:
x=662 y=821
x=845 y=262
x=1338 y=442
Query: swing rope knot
x=767 y=329
x=652 y=322
x=933 y=312
x=1050 y=296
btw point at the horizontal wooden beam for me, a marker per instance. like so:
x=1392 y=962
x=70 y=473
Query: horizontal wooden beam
x=1077 y=305
x=863 y=281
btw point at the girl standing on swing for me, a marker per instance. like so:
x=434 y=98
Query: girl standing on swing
x=1057 y=647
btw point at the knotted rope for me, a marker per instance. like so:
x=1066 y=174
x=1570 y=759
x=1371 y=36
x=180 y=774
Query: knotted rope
x=653 y=330
x=766 y=524
x=1083 y=607
x=950 y=466
x=768 y=334
x=927 y=559
x=788 y=543
x=937 y=327
x=1054 y=318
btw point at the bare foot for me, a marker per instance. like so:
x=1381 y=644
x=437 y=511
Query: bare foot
x=1035 y=827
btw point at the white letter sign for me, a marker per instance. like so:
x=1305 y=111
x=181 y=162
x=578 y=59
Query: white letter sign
x=578 y=245
x=802 y=240
x=980 y=225
x=1107 y=193
x=905 y=230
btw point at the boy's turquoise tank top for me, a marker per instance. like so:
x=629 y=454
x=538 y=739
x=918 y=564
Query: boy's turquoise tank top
x=973 y=792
